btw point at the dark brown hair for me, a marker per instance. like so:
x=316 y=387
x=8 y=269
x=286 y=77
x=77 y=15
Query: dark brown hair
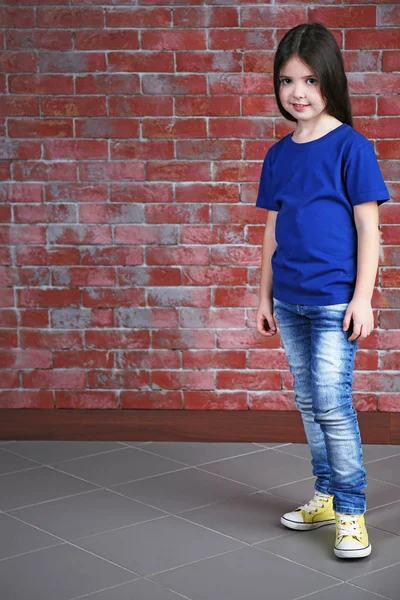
x=316 y=46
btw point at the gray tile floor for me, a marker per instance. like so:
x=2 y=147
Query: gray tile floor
x=166 y=521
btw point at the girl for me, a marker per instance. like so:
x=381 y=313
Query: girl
x=322 y=186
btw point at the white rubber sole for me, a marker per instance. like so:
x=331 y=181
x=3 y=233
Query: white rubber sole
x=305 y=526
x=353 y=553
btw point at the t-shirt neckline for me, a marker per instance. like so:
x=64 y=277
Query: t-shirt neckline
x=318 y=140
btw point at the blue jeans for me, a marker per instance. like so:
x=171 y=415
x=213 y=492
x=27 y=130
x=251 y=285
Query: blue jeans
x=321 y=360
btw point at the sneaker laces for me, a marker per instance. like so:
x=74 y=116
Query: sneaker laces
x=316 y=502
x=348 y=525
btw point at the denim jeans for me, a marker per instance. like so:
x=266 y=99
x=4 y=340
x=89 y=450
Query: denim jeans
x=321 y=360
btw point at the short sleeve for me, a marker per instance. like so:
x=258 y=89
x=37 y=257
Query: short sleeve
x=265 y=197
x=364 y=181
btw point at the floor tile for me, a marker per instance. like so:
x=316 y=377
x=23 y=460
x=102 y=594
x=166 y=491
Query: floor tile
x=140 y=589
x=9 y=463
x=262 y=470
x=38 y=485
x=315 y=549
x=86 y=514
x=252 y=518
x=386 y=518
x=162 y=544
x=343 y=591
x=182 y=490
x=18 y=538
x=196 y=453
x=52 y=452
x=119 y=466
x=384 y=582
x=246 y=573
x=386 y=469
x=58 y=573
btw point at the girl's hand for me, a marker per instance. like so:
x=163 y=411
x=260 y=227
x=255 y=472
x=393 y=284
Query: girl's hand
x=266 y=324
x=363 y=319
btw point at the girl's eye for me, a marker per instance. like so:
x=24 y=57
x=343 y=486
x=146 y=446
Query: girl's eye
x=312 y=79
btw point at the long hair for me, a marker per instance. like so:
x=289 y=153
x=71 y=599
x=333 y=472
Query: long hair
x=316 y=46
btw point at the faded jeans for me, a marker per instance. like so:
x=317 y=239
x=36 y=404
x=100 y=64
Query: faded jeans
x=321 y=360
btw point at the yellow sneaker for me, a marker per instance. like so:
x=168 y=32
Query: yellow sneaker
x=351 y=536
x=316 y=513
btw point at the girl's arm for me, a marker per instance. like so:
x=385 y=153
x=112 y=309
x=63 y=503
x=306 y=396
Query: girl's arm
x=366 y=218
x=367 y=223
x=265 y=320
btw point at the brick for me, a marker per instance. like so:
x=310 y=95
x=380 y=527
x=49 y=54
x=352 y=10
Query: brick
x=176 y=339
x=247 y=39
x=41 y=171
x=174 y=128
x=26 y=106
x=8 y=317
x=124 y=106
x=41 y=84
x=12 y=149
x=145 y=318
x=54 y=379
x=146 y=234
x=67 y=359
x=211 y=193
x=128 y=255
x=17 y=17
x=51 y=339
x=14 y=62
x=113 y=298
x=25 y=128
x=140 y=192
x=41 y=40
x=74 y=106
x=48 y=297
x=70 y=18
x=151 y=399
x=119 y=213
x=107 y=128
x=168 y=39
x=199 y=400
x=175 y=85
x=183 y=380
x=112 y=171
x=71 y=318
x=86 y=399
x=272 y=16
x=141 y=61
x=160 y=255
x=178 y=171
x=149 y=276
x=144 y=150
x=35 y=317
x=102 y=84
x=22 y=234
x=387 y=37
x=37 y=255
x=206 y=16
x=246 y=83
x=212 y=234
x=110 y=39
x=212 y=106
x=26 y=399
x=344 y=16
x=72 y=62
x=138 y=17
x=114 y=339
x=182 y=213
x=143 y=359
x=79 y=234
x=249 y=380
x=202 y=62
x=214 y=359
x=82 y=276
x=25 y=359
x=119 y=379
x=183 y=296
x=78 y=149
x=214 y=276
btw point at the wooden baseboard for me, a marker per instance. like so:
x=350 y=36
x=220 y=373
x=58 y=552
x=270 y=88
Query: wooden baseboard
x=179 y=425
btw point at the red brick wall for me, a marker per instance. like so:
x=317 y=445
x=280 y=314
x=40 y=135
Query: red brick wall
x=132 y=143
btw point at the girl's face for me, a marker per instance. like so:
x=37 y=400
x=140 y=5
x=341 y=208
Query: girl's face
x=300 y=86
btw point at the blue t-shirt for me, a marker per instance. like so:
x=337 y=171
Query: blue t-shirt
x=314 y=186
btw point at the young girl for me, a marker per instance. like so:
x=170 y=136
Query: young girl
x=322 y=187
